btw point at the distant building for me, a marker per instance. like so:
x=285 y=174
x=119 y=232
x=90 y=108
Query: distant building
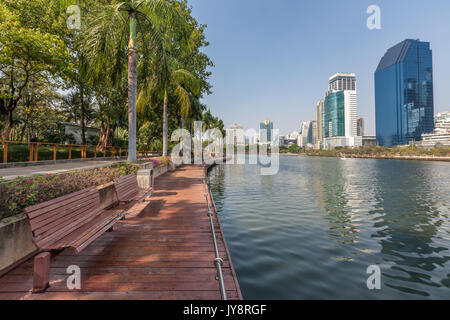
x=339 y=122
x=74 y=131
x=369 y=141
x=308 y=136
x=360 y=127
x=404 y=106
x=235 y=135
x=293 y=136
x=441 y=134
x=319 y=119
x=342 y=82
x=267 y=136
x=282 y=140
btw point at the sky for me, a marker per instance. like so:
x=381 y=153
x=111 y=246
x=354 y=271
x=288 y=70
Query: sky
x=273 y=58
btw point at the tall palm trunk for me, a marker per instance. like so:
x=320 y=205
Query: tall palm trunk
x=83 y=111
x=165 y=124
x=132 y=89
x=182 y=135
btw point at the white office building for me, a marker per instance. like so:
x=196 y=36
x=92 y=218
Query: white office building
x=441 y=134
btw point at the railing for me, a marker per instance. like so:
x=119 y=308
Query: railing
x=218 y=260
x=33 y=152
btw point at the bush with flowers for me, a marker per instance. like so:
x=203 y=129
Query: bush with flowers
x=23 y=192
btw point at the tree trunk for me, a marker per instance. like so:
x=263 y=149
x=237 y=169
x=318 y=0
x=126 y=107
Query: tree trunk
x=8 y=126
x=132 y=90
x=165 y=124
x=83 y=125
x=182 y=135
x=105 y=135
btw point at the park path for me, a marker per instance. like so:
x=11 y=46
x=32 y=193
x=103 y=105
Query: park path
x=165 y=252
x=14 y=172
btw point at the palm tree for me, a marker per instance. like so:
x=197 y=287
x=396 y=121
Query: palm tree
x=168 y=76
x=113 y=33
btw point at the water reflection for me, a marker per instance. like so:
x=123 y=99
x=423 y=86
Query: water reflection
x=311 y=231
x=409 y=227
x=331 y=188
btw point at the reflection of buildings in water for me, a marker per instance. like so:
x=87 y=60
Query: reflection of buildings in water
x=410 y=222
x=331 y=189
x=216 y=182
x=270 y=189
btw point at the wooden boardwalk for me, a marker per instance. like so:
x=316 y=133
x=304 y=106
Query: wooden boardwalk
x=165 y=252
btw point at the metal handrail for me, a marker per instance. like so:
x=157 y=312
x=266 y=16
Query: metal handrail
x=218 y=260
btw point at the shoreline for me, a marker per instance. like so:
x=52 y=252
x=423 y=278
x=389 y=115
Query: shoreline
x=382 y=157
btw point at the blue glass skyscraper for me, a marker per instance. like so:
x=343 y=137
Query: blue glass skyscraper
x=404 y=107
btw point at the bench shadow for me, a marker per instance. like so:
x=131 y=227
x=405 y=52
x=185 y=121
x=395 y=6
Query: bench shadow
x=153 y=209
x=164 y=194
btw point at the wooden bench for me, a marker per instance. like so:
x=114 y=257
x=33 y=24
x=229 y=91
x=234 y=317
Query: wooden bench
x=127 y=189
x=71 y=221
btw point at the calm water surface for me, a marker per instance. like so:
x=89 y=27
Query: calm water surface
x=311 y=231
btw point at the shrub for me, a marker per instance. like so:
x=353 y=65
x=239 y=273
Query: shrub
x=23 y=192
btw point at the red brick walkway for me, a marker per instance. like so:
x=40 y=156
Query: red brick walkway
x=166 y=252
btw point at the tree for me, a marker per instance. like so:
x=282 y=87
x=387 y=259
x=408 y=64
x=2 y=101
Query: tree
x=293 y=148
x=29 y=52
x=114 y=32
x=165 y=78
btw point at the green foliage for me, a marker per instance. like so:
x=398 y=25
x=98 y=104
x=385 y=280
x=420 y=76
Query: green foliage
x=377 y=151
x=294 y=148
x=80 y=76
x=23 y=192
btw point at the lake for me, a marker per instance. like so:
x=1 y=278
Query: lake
x=312 y=230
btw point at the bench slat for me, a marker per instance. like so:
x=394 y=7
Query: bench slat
x=47 y=243
x=108 y=221
x=57 y=200
x=63 y=220
x=41 y=213
x=63 y=213
x=127 y=188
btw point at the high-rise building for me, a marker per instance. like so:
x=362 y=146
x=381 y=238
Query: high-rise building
x=341 y=82
x=265 y=137
x=308 y=137
x=319 y=111
x=339 y=120
x=360 y=127
x=404 y=106
x=441 y=134
x=235 y=135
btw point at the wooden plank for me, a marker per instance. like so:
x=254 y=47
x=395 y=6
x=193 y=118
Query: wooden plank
x=163 y=252
x=31 y=209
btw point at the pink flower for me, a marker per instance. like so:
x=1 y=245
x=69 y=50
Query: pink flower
x=29 y=182
x=42 y=200
x=23 y=199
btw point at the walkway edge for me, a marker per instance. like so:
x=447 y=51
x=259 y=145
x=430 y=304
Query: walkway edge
x=233 y=272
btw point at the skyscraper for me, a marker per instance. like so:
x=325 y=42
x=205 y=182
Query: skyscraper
x=319 y=117
x=404 y=106
x=308 y=134
x=339 y=122
x=360 y=127
x=265 y=137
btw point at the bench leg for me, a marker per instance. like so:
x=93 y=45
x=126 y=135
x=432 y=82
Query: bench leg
x=41 y=272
